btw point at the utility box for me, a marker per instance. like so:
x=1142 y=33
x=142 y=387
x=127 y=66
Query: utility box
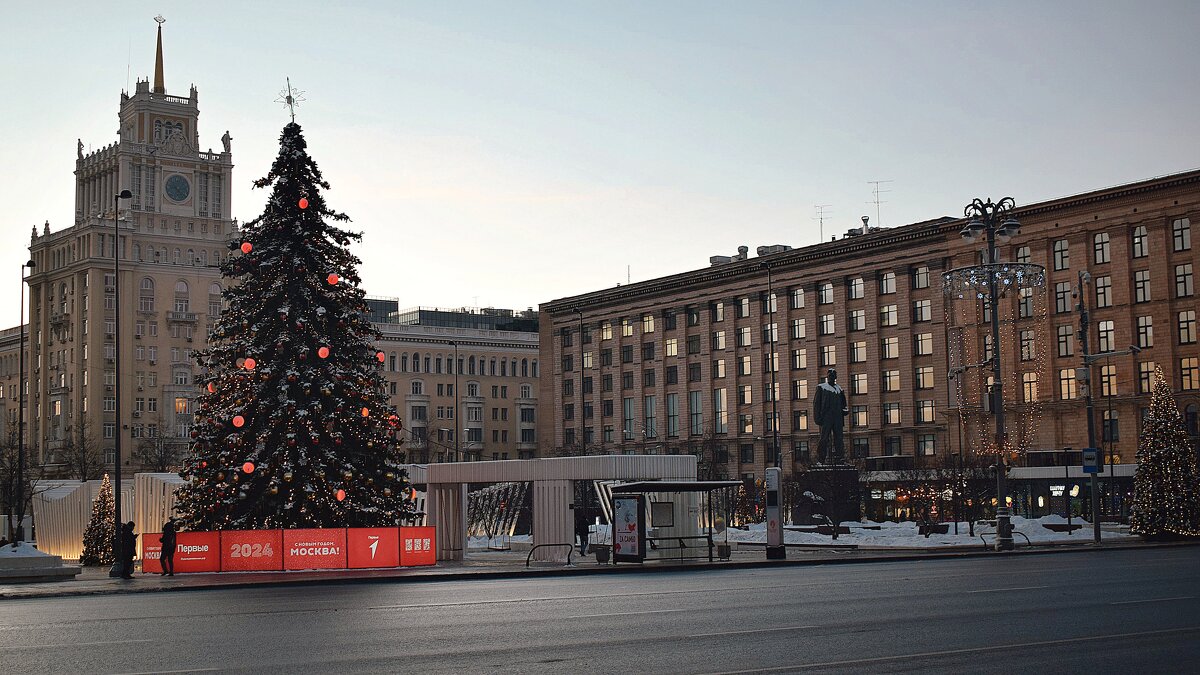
x=775 y=546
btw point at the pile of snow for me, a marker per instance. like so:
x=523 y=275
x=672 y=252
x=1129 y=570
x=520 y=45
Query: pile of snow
x=22 y=550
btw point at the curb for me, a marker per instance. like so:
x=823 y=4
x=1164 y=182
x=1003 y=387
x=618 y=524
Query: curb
x=519 y=573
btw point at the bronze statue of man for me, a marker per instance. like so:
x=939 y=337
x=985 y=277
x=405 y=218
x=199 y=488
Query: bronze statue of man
x=829 y=408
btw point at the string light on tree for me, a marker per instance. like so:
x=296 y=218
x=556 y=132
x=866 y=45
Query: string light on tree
x=1166 y=486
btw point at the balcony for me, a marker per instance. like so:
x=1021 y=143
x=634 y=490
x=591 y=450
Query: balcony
x=187 y=317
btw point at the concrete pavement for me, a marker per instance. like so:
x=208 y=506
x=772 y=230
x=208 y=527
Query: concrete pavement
x=508 y=564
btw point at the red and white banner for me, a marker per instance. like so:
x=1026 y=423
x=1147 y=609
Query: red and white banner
x=197 y=552
x=151 y=553
x=323 y=549
x=418 y=546
x=372 y=547
x=251 y=550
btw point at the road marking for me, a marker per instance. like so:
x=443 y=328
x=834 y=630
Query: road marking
x=167 y=672
x=649 y=611
x=1136 y=602
x=502 y=601
x=969 y=650
x=74 y=644
x=1002 y=590
x=745 y=632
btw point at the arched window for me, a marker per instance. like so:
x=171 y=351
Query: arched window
x=158 y=255
x=175 y=256
x=404 y=362
x=62 y=298
x=191 y=257
x=428 y=362
x=416 y=364
x=471 y=366
x=493 y=370
x=535 y=369
x=437 y=364
x=392 y=362
x=181 y=296
x=214 y=299
x=146 y=295
x=503 y=367
x=203 y=257
x=524 y=367
x=137 y=252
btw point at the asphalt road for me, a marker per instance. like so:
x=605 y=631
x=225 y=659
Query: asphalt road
x=1123 y=611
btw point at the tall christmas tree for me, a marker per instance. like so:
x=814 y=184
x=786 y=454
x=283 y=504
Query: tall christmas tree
x=1166 y=499
x=293 y=427
x=98 y=537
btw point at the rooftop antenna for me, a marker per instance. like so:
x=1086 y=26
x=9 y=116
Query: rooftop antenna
x=820 y=218
x=877 y=191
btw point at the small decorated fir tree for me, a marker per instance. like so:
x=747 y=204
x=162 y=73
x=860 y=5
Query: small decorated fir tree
x=294 y=428
x=1166 y=499
x=98 y=537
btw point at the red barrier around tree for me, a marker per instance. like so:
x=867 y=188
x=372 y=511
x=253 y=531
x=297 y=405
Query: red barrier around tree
x=310 y=549
x=372 y=547
x=251 y=550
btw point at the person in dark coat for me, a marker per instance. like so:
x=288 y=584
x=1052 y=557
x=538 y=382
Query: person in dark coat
x=168 y=548
x=829 y=409
x=581 y=530
x=128 y=550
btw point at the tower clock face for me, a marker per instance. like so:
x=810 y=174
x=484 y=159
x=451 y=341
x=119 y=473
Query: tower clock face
x=178 y=188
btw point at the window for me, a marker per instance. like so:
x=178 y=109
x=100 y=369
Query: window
x=606 y=408
x=799 y=359
x=858 y=383
x=744 y=365
x=1187 y=327
x=829 y=355
x=671 y=373
x=1062 y=255
x=827 y=327
x=1103 y=291
x=769 y=303
x=605 y=330
x=716 y=311
x=798 y=332
x=858 y=416
x=1141 y=247
x=1022 y=254
x=649 y=417
x=923 y=344
x=1025 y=303
x=718 y=368
x=626 y=327
x=1183 y=280
x=1100 y=252
x=587 y=359
x=797 y=298
x=860 y=448
x=926 y=445
x=669 y=322
x=888 y=315
x=626 y=354
x=1028 y=345
x=1062 y=297
x=693 y=316
x=922 y=310
x=1181 y=234
x=647 y=323
x=854 y=289
x=1189 y=373
x=925 y=377
x=743 y=308
x=693 y=372
x=1110 y=428
x=1141 y=286
x=920 y=277
x=891 y=413
x=799 y=390
x=887 y=283
x=770 y=363
x=568 y=387
x=1065 y=345
x=745 y=394
x=825 y=293
x=1146 y=376
x=858 y=352
x=770 y=333
x=648 y=378
x=1145 y=331
x=1107 y=336
x=891 y=380
x=145 y=295
x=647 y=351
x=627 y=380
x=1108 y=380
x=743 y=337
x=925 y=412
x=695 y=414
x=1066 y=384
x=746 y=423
x=673 y=415
x=858 y=319
x=746 y=453
x=565 y=336
x=693 y=344
x=568 y=362
x=799 y=420
x=890 y=348
x=720 y=412
x=1029 y=387
x=672 y=346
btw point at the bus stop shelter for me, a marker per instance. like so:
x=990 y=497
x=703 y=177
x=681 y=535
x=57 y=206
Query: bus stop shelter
x=687 y=528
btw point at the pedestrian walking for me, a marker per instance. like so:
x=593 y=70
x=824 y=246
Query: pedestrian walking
x=167 y=557
x=128 y=550
x=582 y=530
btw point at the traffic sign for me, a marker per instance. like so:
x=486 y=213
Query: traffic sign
x=1091 y=460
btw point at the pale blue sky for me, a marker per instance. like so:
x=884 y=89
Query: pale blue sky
x=505 y=153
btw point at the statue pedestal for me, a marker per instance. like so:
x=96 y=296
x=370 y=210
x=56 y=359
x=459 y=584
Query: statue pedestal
x=835 y=491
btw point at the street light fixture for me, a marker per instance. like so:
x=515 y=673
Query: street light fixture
x=19 y=534
x=996 y=221
x=118 y=568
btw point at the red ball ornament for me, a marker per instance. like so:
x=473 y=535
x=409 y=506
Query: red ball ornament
x=366 y=412
x=247 y=247
x=211 y=388
x=303 y=203
x=393 y=420
x=341 y=495
x=248 y=467
x=250 y=363
x=203 y=464
x=239 y=421
x=332 y=278
x=379 y=356
x=323 y=352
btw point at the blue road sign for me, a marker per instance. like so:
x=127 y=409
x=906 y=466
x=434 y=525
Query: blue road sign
x=1091 y=460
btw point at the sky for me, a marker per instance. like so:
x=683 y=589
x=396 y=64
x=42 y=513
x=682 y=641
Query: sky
x=508 y=154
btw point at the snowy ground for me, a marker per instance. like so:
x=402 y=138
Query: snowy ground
x=23 y=550
x=889 y=535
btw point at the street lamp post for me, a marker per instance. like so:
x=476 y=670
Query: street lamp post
x=118 y=567
x=19 y=534
x=774 y=366
x=996 y=220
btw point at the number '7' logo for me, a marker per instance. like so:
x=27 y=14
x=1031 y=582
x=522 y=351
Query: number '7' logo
x=373 y=546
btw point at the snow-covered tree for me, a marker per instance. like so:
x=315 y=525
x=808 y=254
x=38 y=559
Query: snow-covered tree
x=1166 y=499
x=293 y=427
x=101 y=529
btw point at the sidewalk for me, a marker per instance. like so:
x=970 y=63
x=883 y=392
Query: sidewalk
x=507 y=564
